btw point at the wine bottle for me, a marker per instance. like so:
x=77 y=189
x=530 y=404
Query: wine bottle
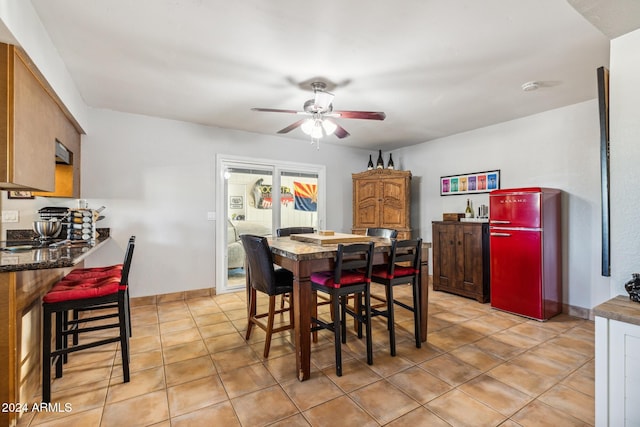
x=380 y=162
x=390 y=164
x=468 y=212
x=370 y=164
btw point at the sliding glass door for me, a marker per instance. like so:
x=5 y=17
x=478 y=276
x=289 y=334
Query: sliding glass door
x=257 y=197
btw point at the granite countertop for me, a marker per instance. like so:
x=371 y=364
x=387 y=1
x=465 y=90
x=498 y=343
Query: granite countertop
x=47 y=257
x=620 y=308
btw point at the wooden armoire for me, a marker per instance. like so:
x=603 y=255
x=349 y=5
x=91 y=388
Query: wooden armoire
x=382 y=198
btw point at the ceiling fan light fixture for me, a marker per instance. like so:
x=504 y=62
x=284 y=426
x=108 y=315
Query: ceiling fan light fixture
x=307 y=126
x=316 y=130
x=322 y=100
x=329 y=127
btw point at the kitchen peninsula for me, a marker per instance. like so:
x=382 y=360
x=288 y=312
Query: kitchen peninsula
x=26 y=275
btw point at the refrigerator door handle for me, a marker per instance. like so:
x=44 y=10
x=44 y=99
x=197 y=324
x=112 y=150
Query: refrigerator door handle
x=500 y=221
x=501 y=234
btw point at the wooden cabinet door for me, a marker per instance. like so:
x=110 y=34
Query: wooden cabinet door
x=444 y=256
x=393 y=203
x=471 y=254
x=366 y=209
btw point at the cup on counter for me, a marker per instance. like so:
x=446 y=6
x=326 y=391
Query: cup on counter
x=83 y=204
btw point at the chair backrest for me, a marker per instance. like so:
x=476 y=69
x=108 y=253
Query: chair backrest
x=389 y=233
x=126 y=266
x=354 y=257
x=260 y=263
x=288 y=231
x=405 y=251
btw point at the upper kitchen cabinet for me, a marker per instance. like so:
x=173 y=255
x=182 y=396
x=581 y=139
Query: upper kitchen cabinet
x=381 y=198
x=33 y=121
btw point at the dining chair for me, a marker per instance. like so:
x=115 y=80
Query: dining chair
x=265 y=278
x=285 y=232
x=288 y=231
x=85 y=293
x=77 y=274
x=389 y=233
x=351 y=275
x=403 y=268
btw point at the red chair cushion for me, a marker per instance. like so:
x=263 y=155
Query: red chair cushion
x=95 y=272
x=68 y=290
x=382 y=272
x=326 y=278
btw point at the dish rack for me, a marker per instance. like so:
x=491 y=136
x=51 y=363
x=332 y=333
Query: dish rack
x=81 y=224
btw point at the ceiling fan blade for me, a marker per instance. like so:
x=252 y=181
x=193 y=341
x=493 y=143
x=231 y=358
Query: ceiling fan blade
x=292 y=126
x=275 y=110
x=341 y=132
x=366 y=115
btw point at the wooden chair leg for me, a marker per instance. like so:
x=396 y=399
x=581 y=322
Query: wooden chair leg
x=391 y=320
x=367 y=305
x=46 y=356
x=251 y=312
x=337 y=329
x=314 y=314
x=272 y=309
x=416 y=312
x=124 y=339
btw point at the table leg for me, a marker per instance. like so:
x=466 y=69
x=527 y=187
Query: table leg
x=302 y=318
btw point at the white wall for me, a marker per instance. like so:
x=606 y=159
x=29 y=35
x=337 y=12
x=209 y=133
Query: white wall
x=624 y=87
x=559 y=149
x=157 y=179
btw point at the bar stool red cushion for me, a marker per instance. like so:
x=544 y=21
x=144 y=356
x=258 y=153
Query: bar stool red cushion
x=326 y=278
x=399 y=271
x=67 y=290
x=95 y=272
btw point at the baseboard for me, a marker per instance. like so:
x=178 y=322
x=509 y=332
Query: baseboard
x=172 y=297
x=581 y=312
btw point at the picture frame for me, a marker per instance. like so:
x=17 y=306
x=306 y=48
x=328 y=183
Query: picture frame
x=19 y=194
x=470 y=183
x=236 y=202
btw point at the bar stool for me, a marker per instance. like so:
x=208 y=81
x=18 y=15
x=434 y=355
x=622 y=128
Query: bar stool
x=80 y=274
x=403 y=268
x=264 y=277
x=78 y=294
x=350 y=276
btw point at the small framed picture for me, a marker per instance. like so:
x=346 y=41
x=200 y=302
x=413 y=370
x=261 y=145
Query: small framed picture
x=476 y=182
x=236 y=202
x=20 y=195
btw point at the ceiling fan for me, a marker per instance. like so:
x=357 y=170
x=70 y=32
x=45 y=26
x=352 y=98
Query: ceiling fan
x=320 y=115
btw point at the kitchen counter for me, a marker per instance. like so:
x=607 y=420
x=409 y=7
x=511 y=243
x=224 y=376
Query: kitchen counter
x=26 y=275
x=620 y=308
x=45 y=257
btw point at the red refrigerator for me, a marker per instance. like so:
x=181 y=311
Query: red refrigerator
x=526 y=251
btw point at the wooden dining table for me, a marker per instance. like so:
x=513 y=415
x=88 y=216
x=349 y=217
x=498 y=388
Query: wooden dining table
x=303 y=258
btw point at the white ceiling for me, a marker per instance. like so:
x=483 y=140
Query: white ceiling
x=436 y=68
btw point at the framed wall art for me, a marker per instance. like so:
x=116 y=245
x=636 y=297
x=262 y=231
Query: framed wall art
x=20 y=195
x=470 y=183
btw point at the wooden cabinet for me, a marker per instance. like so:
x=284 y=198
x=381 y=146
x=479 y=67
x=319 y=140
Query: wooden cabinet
x=617 y=351
x=461 y=258
x=382 y=198
x=32 y=118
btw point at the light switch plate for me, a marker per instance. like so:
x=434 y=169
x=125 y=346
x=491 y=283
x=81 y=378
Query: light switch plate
x=10 y=216
x=211 y=216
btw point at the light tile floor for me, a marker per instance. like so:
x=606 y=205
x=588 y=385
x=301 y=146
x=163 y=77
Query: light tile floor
x=191 y=366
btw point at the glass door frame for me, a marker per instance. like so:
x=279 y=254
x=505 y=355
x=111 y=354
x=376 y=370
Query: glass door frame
x=225 y=162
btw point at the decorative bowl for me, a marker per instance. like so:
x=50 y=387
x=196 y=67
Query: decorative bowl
x=47 y=229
